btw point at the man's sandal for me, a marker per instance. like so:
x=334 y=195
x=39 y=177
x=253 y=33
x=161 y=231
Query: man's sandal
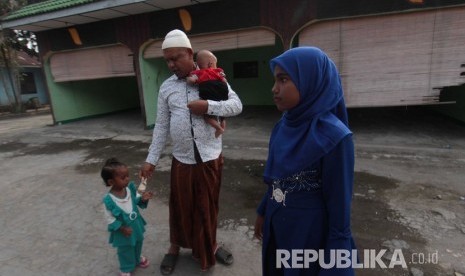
x=144 y=262
x=168 y=263
x=224 y=256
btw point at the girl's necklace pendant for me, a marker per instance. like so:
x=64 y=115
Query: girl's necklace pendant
x=132 y=215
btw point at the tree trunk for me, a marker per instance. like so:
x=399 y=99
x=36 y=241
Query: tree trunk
x=13 y=78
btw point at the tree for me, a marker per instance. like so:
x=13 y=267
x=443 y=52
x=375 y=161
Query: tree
x=10 y=84
x=12 y=41
x=20 y=40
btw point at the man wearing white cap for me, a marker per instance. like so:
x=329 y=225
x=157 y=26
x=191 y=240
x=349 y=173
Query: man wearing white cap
x=197 y=162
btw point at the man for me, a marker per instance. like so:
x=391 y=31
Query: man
x=197 y=163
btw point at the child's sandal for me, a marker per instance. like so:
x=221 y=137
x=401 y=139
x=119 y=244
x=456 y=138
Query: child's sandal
x=144 y=262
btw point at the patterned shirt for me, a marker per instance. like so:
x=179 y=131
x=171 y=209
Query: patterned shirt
x=175 y=119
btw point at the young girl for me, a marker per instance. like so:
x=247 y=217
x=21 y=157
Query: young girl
x=125 y=224
x=310 y=167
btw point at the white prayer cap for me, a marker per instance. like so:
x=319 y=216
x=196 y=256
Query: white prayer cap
x=176 y=38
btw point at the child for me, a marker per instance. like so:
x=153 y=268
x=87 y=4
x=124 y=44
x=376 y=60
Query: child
x=212 y=85
x=310 y=167
x=125 y=224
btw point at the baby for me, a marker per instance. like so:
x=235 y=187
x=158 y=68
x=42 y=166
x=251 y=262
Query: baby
x=212 y=85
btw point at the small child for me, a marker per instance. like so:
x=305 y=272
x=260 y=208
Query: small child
x=212 y=85
x=125 y=224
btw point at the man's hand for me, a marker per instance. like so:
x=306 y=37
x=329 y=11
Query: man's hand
x=146 y=170
x=198 y=107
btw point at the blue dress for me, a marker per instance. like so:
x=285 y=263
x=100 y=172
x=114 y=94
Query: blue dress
x=313 y=214
x=309 y=172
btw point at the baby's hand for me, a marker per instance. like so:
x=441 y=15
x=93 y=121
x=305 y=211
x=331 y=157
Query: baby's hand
x=147 y=195
x=190 y=80
x=127 y=231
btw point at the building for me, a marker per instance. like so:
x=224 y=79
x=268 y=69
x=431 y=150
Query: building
x=104 y=56
x=32 y=82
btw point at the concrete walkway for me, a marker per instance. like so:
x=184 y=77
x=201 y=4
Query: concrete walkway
x=51 y=213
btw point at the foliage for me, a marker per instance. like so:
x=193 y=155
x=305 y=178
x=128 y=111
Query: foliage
x=20 y=40
x=7 y=6
x=12 y=41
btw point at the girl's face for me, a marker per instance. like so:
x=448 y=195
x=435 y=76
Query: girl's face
x=120 y=179
x=285 y=94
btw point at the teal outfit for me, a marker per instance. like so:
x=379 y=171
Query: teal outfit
x=128 y=248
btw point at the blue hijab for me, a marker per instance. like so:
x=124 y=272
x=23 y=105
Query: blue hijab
x=317 y=124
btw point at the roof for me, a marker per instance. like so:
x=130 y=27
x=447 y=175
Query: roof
x=26 y=60
x=44 y=7
x=54 y=14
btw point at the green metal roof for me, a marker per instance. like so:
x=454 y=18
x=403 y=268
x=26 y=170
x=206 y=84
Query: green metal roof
x=44 y=7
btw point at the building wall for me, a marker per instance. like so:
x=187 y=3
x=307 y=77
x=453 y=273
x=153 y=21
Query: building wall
x=40 y=86
x=4 y=99
x=41 y=92
x=396 y=59
x=285 y=20
x=80 y=99
x=153 y=73
x=251 y=91
x=342 y=8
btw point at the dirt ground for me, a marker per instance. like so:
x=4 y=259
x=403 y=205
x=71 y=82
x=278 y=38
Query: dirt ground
x=416 y=160
x=408 y=191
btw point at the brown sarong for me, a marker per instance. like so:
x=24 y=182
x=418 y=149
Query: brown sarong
x=194 y=209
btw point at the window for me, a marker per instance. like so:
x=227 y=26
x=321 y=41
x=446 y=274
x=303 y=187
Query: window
x=28 y=85
x=247 y=69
